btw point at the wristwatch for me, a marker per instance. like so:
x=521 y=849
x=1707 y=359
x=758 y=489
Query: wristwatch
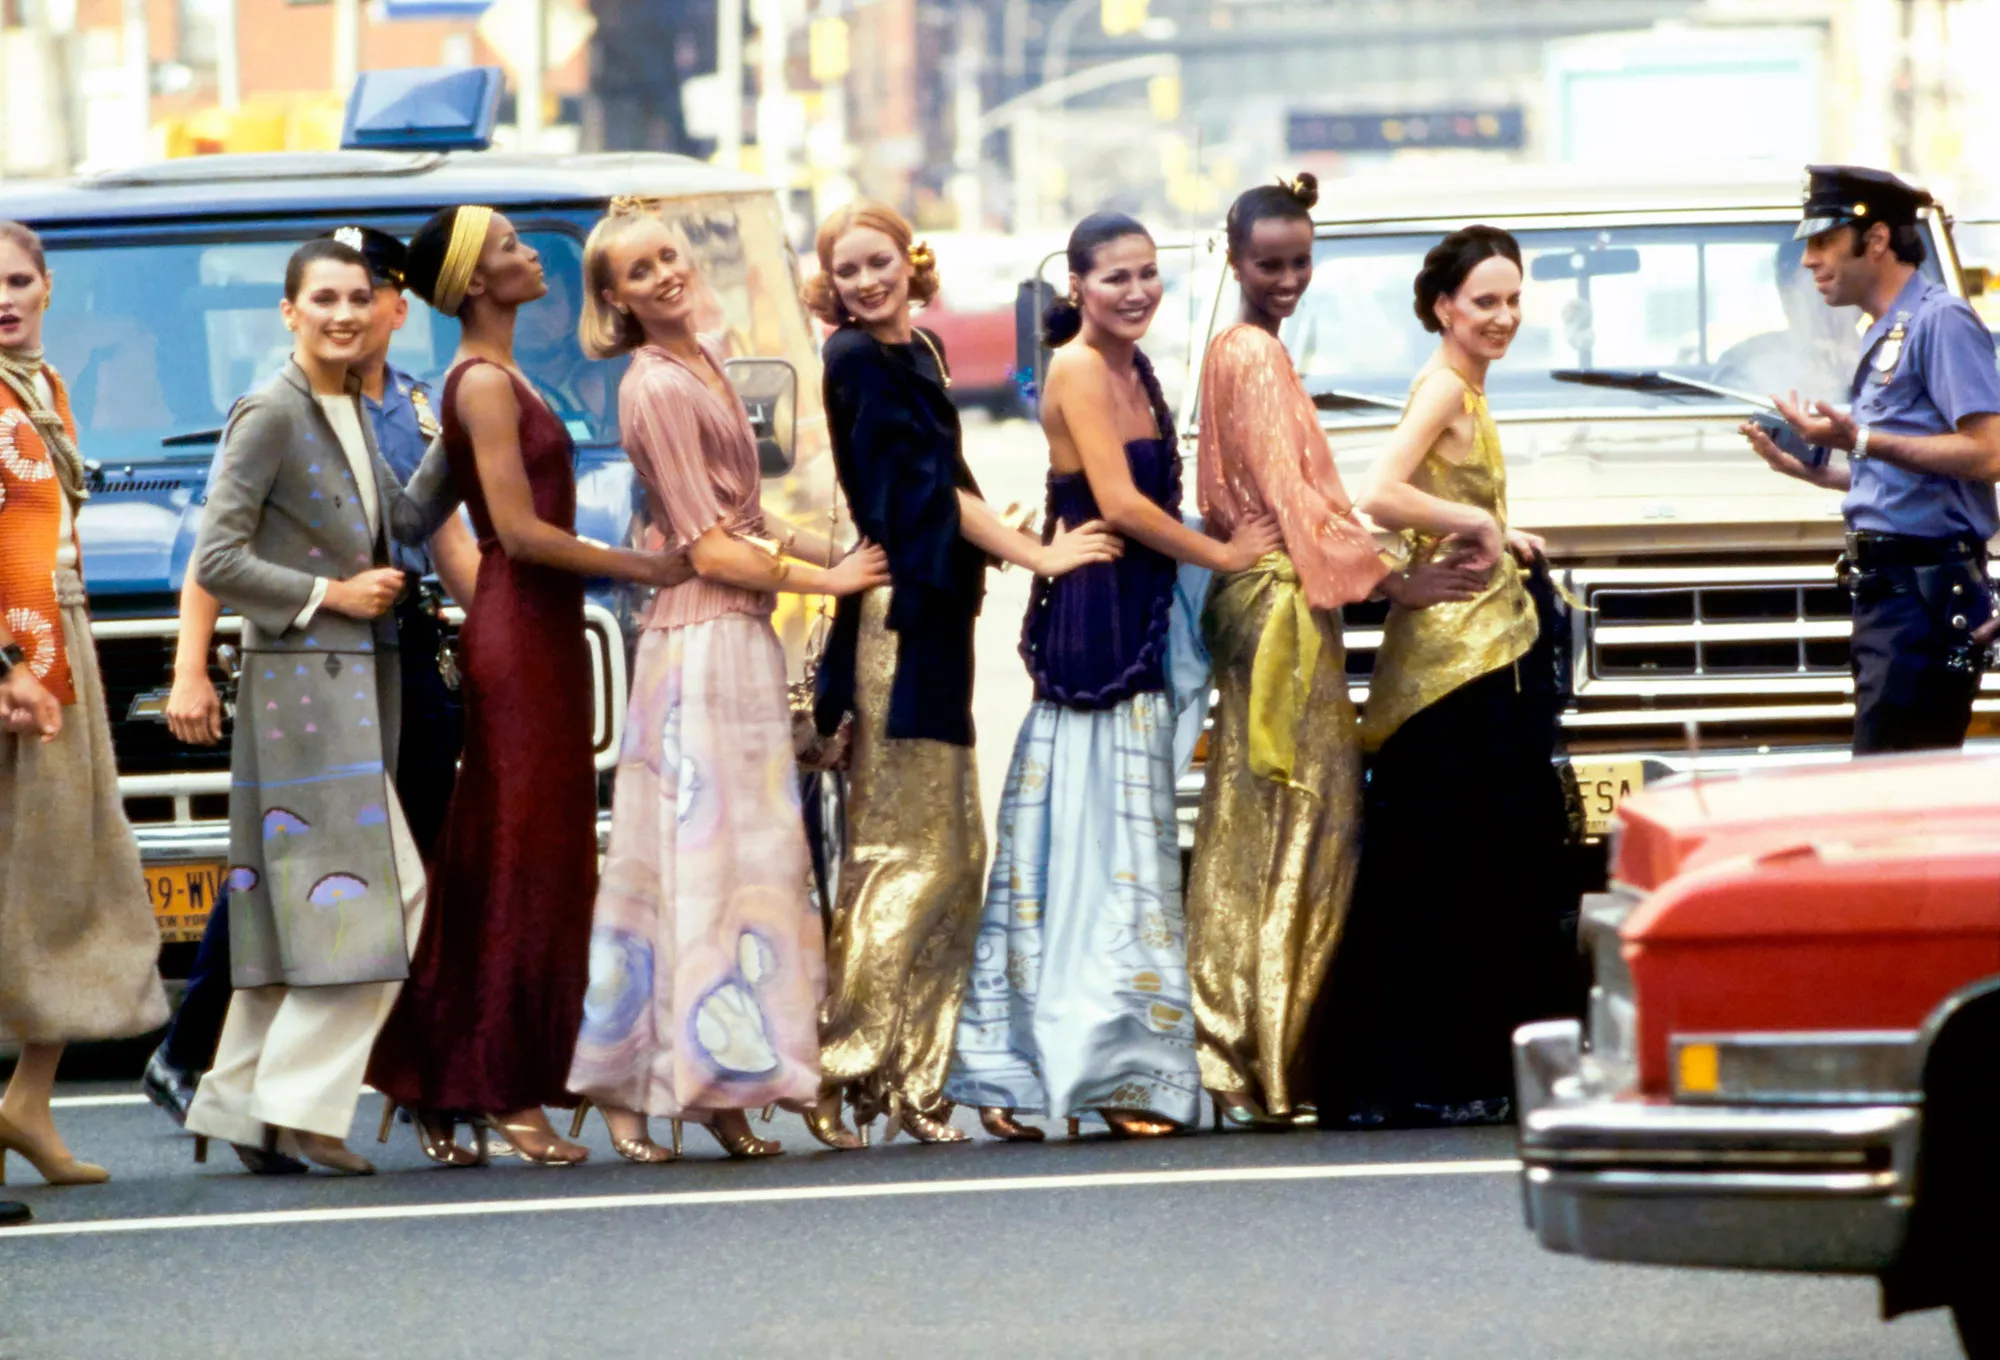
x=1860 y=451
x=11 y=656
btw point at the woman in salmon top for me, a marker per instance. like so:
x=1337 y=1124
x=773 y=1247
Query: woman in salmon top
x=77 y=938
x=708 y=961
x=1279 y=830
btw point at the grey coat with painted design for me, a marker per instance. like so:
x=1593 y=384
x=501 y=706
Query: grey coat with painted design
x=313 y=895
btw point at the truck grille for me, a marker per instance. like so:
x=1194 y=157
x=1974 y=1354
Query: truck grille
x=133 y=666
x=1754 y=656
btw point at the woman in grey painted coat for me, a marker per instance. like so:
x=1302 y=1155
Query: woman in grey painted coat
x=326 y=886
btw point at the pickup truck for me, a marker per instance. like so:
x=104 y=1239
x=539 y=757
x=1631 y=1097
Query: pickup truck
x=168 y=281
x=1659 y=313
x=1791 y=1058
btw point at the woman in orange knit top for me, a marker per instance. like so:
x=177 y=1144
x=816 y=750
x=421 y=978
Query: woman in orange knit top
x=77 y=941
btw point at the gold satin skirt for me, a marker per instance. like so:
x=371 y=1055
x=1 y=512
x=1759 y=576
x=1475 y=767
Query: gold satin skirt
x=1274 y=864
x=907 y=912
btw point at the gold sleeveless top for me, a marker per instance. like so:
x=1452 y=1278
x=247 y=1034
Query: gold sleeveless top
x=1428 y=653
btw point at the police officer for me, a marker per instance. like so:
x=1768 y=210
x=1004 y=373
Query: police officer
x=433 y=725
x=1921 y=439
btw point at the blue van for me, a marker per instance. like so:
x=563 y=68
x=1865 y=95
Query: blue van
x=167 y=281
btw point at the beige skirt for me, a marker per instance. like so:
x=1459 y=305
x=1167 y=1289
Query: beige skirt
x=79 y=950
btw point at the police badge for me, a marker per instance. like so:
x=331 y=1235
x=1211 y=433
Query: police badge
x=1890 y=352
x=427 y=421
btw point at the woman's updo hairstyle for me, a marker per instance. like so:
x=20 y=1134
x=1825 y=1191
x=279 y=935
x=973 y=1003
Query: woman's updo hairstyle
x=1064 y=317
x=1286 y=201
x=822 y=299
x=24 y=239
x=1451 y=260
x=310 y=254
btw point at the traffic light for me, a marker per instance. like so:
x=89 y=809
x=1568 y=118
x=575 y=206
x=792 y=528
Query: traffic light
x=1120 y=17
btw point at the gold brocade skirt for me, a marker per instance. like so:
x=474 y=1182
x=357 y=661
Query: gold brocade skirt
x=1274 y=864
x=907 y=912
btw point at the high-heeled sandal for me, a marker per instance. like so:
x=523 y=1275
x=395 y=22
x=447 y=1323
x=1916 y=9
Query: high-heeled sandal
x=56 y=1170
x=644 y=1150
x=822 y=1121
x=928 y=1127
x=737 y=1140
x=554 y=1152
x=1001 y=1124
x=1128 y=1124
x=437 y=1135
x=1235 y=1110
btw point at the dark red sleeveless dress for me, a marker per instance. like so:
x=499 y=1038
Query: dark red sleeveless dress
x=489 y=1018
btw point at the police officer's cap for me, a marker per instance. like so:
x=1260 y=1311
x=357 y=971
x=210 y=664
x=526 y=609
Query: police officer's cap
x=1839 y=195
x=387 y=257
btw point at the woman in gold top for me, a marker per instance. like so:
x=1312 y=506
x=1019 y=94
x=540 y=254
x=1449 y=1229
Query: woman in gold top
x=1279 y=831
x=1457 y=931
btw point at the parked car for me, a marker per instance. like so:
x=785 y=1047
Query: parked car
x=1658 y=314
x=167 y=311
x=1792 y=1053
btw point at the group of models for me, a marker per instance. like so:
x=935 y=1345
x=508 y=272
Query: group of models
x=1346 y=954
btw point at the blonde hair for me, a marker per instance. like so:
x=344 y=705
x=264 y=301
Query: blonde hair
x=603 y=331
x=822 y=299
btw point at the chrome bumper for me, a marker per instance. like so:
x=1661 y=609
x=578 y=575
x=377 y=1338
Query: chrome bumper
x=185 y=842
x=1817 y=1189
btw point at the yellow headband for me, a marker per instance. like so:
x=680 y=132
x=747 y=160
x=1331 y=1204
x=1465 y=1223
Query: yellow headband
x=468 y=240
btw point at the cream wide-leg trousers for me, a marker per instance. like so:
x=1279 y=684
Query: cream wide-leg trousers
x=294 y=1057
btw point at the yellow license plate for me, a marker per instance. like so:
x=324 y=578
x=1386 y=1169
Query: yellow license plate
x=1603 y=785
x=182 y=896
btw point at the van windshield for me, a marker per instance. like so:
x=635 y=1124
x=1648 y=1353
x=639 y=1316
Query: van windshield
x=158 y=339
x=1727 y=305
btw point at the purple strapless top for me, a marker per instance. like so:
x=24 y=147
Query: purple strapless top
x=1098 y=636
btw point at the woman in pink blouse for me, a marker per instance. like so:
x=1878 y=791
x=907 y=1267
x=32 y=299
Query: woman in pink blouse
x=707 y=960
x=1277 y=839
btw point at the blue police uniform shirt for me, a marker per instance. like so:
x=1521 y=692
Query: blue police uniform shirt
x=1943 y=373
x=400 y=436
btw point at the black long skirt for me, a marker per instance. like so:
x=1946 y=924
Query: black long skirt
x=1463 y=925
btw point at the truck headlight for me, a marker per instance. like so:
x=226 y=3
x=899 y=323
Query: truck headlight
x=1832 y=1067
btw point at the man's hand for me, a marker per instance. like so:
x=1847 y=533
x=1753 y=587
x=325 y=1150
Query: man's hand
x=1822 y=424
x=1762 y=445
x=194 y=709
x=26 y=707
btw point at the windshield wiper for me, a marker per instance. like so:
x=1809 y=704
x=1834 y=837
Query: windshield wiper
x=1655 y=380
x=1336 y=399
x=192 y=439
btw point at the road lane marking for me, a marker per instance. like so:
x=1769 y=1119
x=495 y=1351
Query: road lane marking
x=674 y=1199
x=93 y=1102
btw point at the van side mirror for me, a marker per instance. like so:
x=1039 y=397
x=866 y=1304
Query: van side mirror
x=1031 y=299
x=770 y=392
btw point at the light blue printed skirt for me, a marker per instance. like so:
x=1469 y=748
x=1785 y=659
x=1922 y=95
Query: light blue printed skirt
x=1079 y=994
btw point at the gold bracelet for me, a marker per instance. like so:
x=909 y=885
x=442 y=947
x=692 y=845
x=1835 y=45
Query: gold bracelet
x=791 y=537
x=784 y=572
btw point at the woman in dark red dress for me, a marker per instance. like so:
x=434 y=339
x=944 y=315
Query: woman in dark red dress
x=485 y=1026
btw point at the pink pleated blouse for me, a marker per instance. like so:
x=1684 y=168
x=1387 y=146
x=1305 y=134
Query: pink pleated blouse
x=697 y=458
x=1263 y=452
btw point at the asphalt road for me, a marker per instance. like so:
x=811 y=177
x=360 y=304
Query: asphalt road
x=1370 y=1246
x=1376 y=1246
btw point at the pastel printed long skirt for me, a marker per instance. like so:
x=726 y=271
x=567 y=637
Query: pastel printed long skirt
x=707 y=963
x=1079 y=997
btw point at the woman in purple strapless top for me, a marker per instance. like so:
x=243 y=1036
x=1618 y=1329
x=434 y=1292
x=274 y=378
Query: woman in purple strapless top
x=1079 y=1003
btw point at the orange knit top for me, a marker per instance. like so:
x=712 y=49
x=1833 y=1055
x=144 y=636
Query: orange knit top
x=30 y=520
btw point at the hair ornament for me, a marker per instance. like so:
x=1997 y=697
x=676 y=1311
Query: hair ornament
x=1302 y=186
x=461 y=257
x=632 y=205
x=921 y=255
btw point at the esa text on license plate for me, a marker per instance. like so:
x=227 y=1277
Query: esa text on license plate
x=1603 y=785
x=182 y=896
